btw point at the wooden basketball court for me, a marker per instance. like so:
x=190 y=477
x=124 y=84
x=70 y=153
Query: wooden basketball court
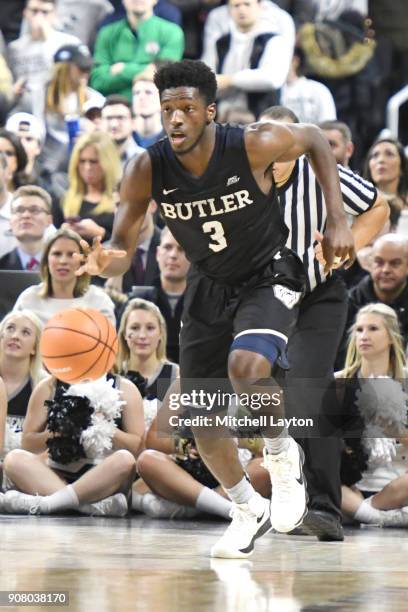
x=110 y=565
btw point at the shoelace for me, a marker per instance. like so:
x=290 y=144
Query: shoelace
x=282 y=484
x=241 y=515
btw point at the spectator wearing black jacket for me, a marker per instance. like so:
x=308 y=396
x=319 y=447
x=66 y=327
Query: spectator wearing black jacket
x=387 y=282
x=168 y=291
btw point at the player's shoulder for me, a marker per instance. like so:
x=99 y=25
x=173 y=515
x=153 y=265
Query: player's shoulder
x=139 y=164
x=266 y=130
x=262 y=137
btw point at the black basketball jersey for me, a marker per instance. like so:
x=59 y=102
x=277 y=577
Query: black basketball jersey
x=227 y=226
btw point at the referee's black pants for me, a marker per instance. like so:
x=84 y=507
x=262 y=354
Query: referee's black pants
x=310 y=388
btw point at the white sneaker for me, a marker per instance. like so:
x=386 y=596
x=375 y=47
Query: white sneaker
x=289 y=495
x=114 y=505
x=249 y=522
x=158 y=507
x=16 y=502
x=394 y=518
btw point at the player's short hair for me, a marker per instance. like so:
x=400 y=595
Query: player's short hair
x=340 y=126
x=187 y=73
x=277 y=113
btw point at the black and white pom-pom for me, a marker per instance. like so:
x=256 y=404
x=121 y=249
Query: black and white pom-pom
x=383 y=401
x=97 y=439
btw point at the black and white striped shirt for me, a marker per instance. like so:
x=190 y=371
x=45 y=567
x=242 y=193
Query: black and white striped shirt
x=302 y=201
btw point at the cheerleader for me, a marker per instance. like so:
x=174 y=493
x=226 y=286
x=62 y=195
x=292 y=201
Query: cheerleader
x=372 y=388
x=93 y=432
x=20 y=368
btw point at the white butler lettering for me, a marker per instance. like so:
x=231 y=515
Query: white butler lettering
x=207 y=208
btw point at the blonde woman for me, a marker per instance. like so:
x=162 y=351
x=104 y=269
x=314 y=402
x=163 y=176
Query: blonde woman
x=142 y=358
x=20 y=368
x=142 y=352
x=94 y=173
x=60 y=287
x=373 y=392
x=86 y=470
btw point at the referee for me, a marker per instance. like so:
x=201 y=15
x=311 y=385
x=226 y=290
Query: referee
x=322 y=315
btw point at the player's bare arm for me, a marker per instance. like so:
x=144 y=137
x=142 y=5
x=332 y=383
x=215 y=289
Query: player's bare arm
x=135 y=195
x=271 y=141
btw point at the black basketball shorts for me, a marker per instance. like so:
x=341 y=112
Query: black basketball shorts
x=258 y=315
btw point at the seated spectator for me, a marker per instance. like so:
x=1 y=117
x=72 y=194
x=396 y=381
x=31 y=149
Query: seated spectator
x=91 y=476
x=125 y=48
x=374 y=465
x=16 y=158
x=168 y=291
x=31 y=56
x=7 y=240
x=60 y=287
x=144 y=269
x=20 y=368
x=30 y=223
x=142 y=359
x=386 y=166
x=310 y=100
x=332 y=10
x=163 y=8
x=344 y=55
x=217 y=23
x=387 y=281
x=251 y=60
x=142 y=353
x=31 y=132
x=94 y=173
x=148 y=127
x=340 y=139
x=117 y=122
x=82 y=19
x=66 y=94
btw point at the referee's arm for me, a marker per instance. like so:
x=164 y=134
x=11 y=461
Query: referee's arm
x=367 y=225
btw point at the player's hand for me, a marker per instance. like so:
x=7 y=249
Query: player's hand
x=338 y=245
x=318 y=250
x=96 y=258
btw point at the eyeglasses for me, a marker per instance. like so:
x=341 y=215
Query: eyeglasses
x=33 y=210
x=118 y=118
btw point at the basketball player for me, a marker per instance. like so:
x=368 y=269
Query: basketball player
x=218 y=199
x=321 y=317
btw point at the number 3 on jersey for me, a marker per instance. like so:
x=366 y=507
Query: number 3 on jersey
x=216 y=231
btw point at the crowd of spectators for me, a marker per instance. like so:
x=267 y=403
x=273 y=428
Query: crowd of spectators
x=77 y=101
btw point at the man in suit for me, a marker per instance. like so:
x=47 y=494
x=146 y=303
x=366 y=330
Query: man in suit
x=168 y=290
x=144 y=269
x=30 y=218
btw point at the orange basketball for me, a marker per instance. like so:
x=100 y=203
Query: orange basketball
x=78 y=344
